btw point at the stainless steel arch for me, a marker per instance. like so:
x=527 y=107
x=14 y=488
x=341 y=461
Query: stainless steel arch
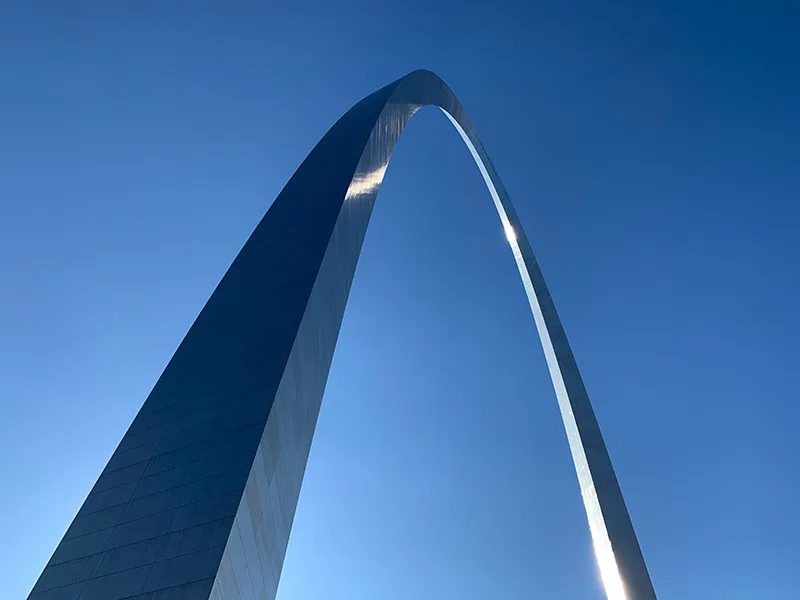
x=199 y=497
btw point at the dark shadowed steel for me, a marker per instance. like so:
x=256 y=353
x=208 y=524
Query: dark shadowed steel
x=198 y=499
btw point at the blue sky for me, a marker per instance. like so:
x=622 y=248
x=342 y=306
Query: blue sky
x=651 y=151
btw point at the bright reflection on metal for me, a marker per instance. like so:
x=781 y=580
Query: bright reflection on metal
x=511 y=235
x=367 y=183
x=609 y=573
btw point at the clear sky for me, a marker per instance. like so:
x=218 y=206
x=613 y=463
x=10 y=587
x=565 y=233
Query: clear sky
x=651 y=149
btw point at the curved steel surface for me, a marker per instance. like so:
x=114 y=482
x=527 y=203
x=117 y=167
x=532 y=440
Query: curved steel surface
x=198 y=499
x=621 y=563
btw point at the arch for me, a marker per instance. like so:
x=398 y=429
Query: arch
x=244 y=387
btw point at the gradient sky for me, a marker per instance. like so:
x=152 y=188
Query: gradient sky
x=651 y=149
